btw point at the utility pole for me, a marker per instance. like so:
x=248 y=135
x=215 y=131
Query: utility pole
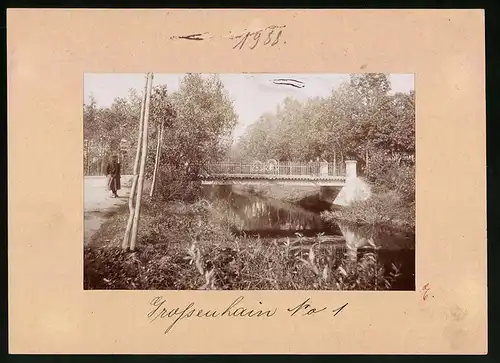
x=137 y=211
x=126 y=238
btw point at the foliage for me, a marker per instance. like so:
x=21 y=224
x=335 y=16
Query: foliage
x=157 y=267
x=190 y=247
x=205 y=121
x=176 y=183
x=162 y=116
x=105 y=127
x=110 y=124
x=360 y=119
x=162 y=110
x=198 y=119
x=201 y=121
x=383 y=208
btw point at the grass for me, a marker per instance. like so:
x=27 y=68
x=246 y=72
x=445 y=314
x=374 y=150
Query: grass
x=381 y=209
x=190 y=246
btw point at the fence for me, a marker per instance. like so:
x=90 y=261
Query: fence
x=325 y=169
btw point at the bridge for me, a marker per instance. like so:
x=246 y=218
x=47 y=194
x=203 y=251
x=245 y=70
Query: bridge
x=277 y=172
x=338 y=183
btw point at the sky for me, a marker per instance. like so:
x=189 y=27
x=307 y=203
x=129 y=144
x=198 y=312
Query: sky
x=252 y=93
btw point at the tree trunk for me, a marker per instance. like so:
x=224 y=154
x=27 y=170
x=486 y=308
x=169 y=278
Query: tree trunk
x=334 y=163
x=126 y=238
x=85 y=158
x=367 y=163
x=137 y=211
x=157 y=159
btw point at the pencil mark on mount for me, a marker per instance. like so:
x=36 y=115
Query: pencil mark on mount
x=197 y=36
x=271 y=37
x=289 y=82
x=231 y=36
x=426 y=288
x=363 y=66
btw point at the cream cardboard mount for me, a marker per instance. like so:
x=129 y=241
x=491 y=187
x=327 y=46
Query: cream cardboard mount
x=49 y=51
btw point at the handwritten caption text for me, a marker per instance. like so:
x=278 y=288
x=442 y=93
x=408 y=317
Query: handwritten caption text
x=236 y=309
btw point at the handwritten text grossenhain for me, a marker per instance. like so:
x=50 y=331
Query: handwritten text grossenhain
x=236 y=309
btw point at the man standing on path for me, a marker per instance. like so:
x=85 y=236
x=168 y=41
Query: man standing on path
x=113 y=175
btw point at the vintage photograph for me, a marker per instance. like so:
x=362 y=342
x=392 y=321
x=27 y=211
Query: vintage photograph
x=251 y=181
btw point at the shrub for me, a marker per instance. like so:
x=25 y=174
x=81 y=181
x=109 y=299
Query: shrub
x=176 y=184
x=383 y=208
x=207 y=256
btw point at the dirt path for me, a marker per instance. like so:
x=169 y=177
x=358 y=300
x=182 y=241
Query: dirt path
x=99 y=205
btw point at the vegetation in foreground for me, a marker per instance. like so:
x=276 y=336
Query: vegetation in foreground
x=185 y=247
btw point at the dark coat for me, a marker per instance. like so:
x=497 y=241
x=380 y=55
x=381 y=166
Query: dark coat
x=113 y=170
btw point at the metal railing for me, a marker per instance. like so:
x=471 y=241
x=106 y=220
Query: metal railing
x=286 y=168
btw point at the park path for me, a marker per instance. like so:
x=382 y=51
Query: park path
x=99 y=205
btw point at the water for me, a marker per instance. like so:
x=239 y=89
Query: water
x=275 y=220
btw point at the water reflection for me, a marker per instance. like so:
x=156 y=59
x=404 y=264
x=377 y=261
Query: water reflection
x=280 y=222
x=273 y=218
x=393 y=250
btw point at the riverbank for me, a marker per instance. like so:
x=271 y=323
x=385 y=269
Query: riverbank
x=191 y=246
x=381 y=209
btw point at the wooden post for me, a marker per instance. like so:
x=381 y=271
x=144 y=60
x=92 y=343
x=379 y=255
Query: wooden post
x=126 y=238
x=140 y=186
x=157 y=158
x=161 y=141
x=367 y=167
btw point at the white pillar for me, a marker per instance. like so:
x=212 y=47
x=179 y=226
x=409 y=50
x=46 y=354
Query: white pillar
x=323 y=168
x=350 y=168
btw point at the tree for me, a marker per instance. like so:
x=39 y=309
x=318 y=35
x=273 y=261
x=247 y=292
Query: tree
x=140 y=182
x=200 y=133
x=106 y=127
x=162 y=115
x=360 y=119
x=140 y=134
x=92 y=133
x=259 y=141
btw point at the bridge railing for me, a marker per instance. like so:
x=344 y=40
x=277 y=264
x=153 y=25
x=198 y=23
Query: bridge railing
x=287 y=168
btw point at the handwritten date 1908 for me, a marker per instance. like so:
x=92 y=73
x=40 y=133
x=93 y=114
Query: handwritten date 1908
x=270 y=36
